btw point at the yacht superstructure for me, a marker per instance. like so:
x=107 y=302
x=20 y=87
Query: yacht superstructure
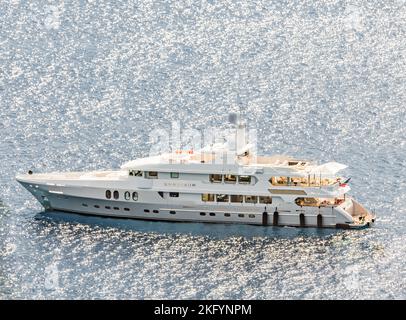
x=220 y=183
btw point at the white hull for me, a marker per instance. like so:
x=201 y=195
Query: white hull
x=268 y=215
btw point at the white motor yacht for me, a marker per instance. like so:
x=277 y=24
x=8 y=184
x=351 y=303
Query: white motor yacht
x=216 y=184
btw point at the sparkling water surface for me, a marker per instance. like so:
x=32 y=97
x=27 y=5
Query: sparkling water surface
x=83 y=83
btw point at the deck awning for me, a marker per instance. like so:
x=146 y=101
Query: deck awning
x=329 y=168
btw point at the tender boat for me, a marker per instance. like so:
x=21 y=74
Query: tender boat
x=224 y=182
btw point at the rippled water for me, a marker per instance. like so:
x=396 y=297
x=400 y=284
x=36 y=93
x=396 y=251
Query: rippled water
x=82 y=83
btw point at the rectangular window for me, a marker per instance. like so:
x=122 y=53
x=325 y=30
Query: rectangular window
x=222 y=198
x=279 y=181
x=216 y=178
x=135 y=173
x=244 y=179
x=230 y=178
x=265 y=199
x=207 y=197
x=174 y=175
x=236 y=198
x=251 y=199
x=174 y=194
x=152 y=175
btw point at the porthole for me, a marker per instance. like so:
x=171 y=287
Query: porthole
x=126 y=209
x=96 y=206
x=116 y=208
x=108 y=194
x=212 y=214
x=135 y=196
x=202 y=213
x=155 y=211
x=84 y=204
x=108 y=207
x=116 y=195
x=226 y=214
x=241 y=215
x=127 y=195
x=251 y=215
x=172 y=212
x=146 y=210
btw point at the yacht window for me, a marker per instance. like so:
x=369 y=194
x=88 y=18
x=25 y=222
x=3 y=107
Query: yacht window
x=174 y=175
x=316 y=202
x=251 y=199
x=202 y=213
x=116 y=194
x=135 y=173
x=135 y=196
x=222 y=198
x=279 y=181
x=244 y=179
x=311 y=202
x=152 y=175
x=207 y=197
x=127 y=195
x=236 y=198
x=174 y=194
x=212 y=214
x=230 y=178
x=265 y=199
x=108 y=194
x=216 y=178
x=226 y=214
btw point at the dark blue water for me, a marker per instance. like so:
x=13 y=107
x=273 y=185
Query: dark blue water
x=83 y=83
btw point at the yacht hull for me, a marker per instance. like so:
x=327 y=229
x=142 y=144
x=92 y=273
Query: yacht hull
x=258 y=215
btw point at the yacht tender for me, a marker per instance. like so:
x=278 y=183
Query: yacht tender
x=222 y=183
